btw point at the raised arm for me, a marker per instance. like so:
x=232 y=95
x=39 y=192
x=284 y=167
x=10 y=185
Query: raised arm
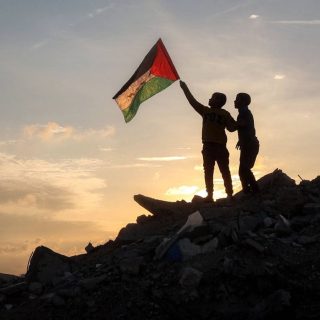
x=231 y=124
x=194 y=103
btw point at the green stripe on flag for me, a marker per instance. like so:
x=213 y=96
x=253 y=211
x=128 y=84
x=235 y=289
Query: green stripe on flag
x=152 y=87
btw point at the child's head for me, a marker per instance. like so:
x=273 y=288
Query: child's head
x=242 y=100
x=218 y=99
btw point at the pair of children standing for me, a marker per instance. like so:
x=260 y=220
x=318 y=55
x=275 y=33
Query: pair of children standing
x=214 y=139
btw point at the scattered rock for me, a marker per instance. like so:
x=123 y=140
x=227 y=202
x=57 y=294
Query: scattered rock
x=89 y=248
x=282 y=227
x=274 y=305
x=90 y=284
x=57 y=301
x=304 y=240
x=14 y=288
x=2 y=299
x=69 y=292
x=35 y=288
x=190 y=278
x=255 y=245
x=268 y=222
x=164 y=208
x=8 y=279
x=8 y=306
x=47 y=265
x=132 y=265
x=311 y=208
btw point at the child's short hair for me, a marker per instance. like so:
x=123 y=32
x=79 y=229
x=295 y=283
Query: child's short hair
x=221 y=97
x=244 y=97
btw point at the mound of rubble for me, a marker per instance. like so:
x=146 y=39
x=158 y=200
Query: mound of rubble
x=251 y=258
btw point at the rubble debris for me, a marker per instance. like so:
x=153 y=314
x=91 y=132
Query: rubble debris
x=311 y=208
x=89 y=248
x=255 y=245
x=190 y=278
x=46 y=266
x=35 y=288
x=193 y=220
x=164 y=208
x=272 y=306
x=13 y=288
x=257 y=259
x=8 y=279
x=132 y=265
x=282 y=227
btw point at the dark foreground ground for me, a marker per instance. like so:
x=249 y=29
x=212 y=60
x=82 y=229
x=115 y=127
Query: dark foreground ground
x=254 y=258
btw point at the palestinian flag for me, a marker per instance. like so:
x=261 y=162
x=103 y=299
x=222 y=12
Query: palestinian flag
x=155 y=73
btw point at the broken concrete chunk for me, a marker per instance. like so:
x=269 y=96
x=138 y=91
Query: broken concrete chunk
x=194 y=220
x=69 y=292
x=274 y=180
x=304 y=240
x=57 y=301
x=272 y=306
x=8 y=306
x=89 y=248
x=92 y=283
x=250 y=223
x=268 y=222
x=142 y=219
x=35 y=288
x=188 y=249
x=3 y=298
x=216 y=212
x=210 y=246
x=164 y=208
x=14 y=288
x=190 y=278
x=7 y=278
x=311 y=208
x=255 y=245
x=45 y=265
x=131 y=265
x=282 y=226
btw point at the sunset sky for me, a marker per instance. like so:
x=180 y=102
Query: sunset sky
x=70 y=165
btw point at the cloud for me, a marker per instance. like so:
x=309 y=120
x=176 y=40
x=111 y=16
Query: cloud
x=35 y=185
x=182 y=190
x=99 y=11
x=40 y=44
x=8 y=143
x=51 y=130
x=301 y=22
x=41 y=228
x=134 y=165
x=105 y=149
x=16 y=248
x=279 y=77
x=231 y=9
x=170 y=158
x=35 y=193
x=54 y=131
x=254 y=16
x=184 y=148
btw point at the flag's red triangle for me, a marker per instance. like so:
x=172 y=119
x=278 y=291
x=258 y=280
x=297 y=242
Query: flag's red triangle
x=162 y=65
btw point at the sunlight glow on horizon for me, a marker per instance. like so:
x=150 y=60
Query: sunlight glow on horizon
x=170 y=158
